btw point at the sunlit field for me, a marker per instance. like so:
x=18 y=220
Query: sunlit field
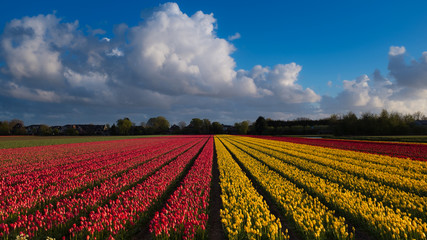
x=164 y=188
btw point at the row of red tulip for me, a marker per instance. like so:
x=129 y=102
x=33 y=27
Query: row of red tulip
x=18 y=198
x=27 y=160
x=130 y=205
x=185 y=213
x=56 y=215
x=50 y=159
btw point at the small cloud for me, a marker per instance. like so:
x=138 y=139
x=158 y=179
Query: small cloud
x=115 y=52
x=394 y=51
x=330 y=83
x=234 y=37
x=105 y=39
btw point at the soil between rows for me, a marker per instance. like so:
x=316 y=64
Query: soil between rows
x=215 y=230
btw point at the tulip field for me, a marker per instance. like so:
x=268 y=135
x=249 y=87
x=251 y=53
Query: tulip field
x=163 y=188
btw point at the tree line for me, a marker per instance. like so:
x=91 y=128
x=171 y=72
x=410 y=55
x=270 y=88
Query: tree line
x=385 y=123
x=160 y=125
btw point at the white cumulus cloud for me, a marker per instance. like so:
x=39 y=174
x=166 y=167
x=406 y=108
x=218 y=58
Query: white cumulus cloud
x=169 y=60
x=405 y=91
x=281 y=81
x=30 y=46
x=180 y=54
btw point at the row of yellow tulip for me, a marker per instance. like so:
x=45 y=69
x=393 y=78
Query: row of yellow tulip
x=245 y=214
x=313 y=219
x=369 y=171
x=381 y=220
x=395 y=198
x=401 y=166
x=404 y=167
x=388 y=161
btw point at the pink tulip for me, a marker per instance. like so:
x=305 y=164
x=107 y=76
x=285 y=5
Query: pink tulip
x=88 y=166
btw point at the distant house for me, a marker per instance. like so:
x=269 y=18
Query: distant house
x=81 y=129
x=87 y=129
x=19 y=129
x=422 y=126
x=421 y=123
x=229 y=129
x=32 y=129
x=57 y=130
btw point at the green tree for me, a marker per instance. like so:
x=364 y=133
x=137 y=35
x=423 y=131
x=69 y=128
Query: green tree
x=350 y=123
x=16 y=127
x=217 y=128
x=196 y=126
x=158 y=125
x=244 y=126
x=384 y=123
x=71 y=131
x=206 y=129
x=419 y=116
x=113 y=130
x=260 y=125
x=4 y=128
x=44 y=130
x=368 y=124
x=55 y=132
x=124 y=125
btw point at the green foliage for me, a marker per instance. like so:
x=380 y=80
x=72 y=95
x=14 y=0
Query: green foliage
x=385 y=123
x=4 y=128
x=158 y=125
x=71 y=132
x=242 y=127
x=199 y=126
x=16 y=127
x=195 y=126
x=124 y=126
x=44 y=130
x=206 y=127
x=217 y=128
x=260 y=125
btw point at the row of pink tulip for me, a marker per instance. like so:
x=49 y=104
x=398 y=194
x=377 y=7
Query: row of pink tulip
x=54 y=159
x=130 y=205
x=54 y=216
x=18 y=198
x=29 y=160
x=185 y=213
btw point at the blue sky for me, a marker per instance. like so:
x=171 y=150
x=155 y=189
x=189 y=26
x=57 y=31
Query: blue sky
x=289 y=59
